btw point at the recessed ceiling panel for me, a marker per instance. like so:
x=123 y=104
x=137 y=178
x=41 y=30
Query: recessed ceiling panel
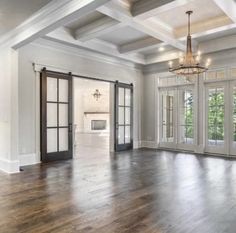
x=83 y=21
x=14 y=12
x=202 y=10
x=123 y=36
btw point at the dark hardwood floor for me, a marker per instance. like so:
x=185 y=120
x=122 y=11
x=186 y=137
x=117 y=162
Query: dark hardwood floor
x=137 y=191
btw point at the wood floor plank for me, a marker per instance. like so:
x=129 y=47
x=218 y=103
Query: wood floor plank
x=146 y=191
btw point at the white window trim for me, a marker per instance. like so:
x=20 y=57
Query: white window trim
x=200 y=109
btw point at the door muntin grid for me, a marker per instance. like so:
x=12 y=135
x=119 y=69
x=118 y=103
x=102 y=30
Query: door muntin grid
x=57 y=115
x=167 y=124
x=124 y=115
x=215 y=116
x=186 y=116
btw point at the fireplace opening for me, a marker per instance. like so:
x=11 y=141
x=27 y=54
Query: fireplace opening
x=98 y=124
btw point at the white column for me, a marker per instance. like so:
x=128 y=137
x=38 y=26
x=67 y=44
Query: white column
x=9 y=156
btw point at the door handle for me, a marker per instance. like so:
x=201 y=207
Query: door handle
x=70 y=127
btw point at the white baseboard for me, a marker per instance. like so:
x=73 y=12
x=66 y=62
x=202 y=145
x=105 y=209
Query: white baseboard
x=29 y=159
x=149 y=144
x=9 y=166
x=137 y=144
x=199 y=149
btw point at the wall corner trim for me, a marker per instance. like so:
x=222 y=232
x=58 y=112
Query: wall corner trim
x=137 y=144
x=10 y=167
x=29 y=159
x=149 y=144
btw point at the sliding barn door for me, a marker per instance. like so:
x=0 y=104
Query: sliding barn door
x=123 y=116
x=56 y=116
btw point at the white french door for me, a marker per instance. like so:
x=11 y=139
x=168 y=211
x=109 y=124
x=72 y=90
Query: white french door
x=176 y=127
x=221 y=118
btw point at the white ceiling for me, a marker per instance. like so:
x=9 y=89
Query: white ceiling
x=14 y=12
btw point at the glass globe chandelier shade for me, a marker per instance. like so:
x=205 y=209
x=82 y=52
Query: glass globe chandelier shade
x=189 y=64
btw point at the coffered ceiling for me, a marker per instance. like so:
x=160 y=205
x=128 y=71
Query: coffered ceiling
x=143 y=31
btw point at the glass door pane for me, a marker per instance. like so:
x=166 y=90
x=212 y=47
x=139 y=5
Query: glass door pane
x=215 y=120
x=167 y=116
x=186 y=116
x=216 y=116
x=51 y=140
x=51 y=89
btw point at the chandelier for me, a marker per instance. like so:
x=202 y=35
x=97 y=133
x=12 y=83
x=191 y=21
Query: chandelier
x=189 y=64
x=97 y=94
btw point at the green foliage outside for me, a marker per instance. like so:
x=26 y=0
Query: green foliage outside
x=189 y=117
x=215 y=116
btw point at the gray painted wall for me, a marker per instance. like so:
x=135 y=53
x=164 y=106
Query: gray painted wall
x=151 y=72
x=61 y=57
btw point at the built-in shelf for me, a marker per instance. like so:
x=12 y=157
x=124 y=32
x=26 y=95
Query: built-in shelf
x=86 y=113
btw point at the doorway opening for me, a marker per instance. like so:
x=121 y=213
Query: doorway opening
x=82 y=116
x=91 y=117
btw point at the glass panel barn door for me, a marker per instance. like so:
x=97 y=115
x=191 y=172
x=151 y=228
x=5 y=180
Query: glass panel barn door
x=123 y=116
x=56 y=116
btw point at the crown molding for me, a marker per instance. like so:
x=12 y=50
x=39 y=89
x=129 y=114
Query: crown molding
x=219 y=58
x=84 y=53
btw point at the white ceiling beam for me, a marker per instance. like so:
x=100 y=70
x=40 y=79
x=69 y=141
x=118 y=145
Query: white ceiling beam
x=229 y=7
x=204 y=26
x=97 y=28
x=149 y=26
x=56 y=16
x=63 y=35
x=145 y=9
x=140 y=45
